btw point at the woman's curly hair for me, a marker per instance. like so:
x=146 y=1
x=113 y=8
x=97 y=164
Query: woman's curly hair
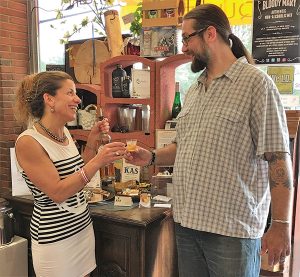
x=29 y=95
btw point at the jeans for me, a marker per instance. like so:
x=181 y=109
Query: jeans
x=202 y=254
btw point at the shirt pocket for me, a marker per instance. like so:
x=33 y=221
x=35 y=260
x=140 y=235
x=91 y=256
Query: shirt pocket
x=183 y=126
x=230 y=115
x=228 y=125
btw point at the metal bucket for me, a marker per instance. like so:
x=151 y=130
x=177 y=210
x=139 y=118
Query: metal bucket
x=6 y=223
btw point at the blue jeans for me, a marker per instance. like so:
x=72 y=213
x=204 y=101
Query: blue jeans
x=202 y=254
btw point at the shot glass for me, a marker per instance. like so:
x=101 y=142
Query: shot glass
x=131 y=145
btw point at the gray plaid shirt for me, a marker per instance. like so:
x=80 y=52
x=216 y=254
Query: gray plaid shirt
x=220 y=177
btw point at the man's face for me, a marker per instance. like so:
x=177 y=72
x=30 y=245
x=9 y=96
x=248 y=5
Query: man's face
x=194 y=45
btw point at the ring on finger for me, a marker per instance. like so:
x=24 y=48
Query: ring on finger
x=117 y=153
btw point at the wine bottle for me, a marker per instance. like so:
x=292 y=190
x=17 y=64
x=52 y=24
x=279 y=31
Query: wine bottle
x=107 y=172
x=126 y=91
x=176 y=108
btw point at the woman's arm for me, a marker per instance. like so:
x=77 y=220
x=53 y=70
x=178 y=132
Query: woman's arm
x=43 y=174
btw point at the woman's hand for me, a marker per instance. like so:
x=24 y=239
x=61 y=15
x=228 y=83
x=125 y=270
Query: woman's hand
x=110 y=152
x=95 y=133
x=100 y=127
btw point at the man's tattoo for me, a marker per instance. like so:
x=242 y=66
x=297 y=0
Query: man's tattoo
x=279 y=170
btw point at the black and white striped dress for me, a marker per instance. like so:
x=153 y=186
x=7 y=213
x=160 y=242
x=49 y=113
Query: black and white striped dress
x=52 y=223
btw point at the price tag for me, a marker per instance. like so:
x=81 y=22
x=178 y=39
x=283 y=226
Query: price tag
x=123 y=201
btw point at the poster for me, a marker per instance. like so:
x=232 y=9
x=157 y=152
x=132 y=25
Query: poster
x=164 y=137
x=276 y=34
x=283 y=77
x=238 y=12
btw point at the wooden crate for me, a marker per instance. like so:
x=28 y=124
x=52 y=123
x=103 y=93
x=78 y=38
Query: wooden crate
x=160 y=7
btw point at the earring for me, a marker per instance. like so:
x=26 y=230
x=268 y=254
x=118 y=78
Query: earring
x=52 y=110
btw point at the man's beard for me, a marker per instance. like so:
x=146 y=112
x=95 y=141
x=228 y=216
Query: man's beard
x=198 y=65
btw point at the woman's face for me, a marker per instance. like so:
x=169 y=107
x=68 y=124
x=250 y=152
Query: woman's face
x=66 y=101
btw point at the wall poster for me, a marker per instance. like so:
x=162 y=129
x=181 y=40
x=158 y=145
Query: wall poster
x=283 y=77
x=276 y=31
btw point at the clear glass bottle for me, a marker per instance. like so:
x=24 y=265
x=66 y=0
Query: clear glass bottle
x=118 y=76
x=176 y=108
x=107 y=172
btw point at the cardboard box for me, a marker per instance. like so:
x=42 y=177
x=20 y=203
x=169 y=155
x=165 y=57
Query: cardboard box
x=163 y=15
x=159 y=41
x=140 y=83
x=125 y=171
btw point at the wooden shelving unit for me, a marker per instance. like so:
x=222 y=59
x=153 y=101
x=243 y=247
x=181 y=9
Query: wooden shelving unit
x=292 y=121
x=110 y=104
x=165 y=87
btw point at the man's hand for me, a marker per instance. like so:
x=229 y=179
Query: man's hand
x=277 y=243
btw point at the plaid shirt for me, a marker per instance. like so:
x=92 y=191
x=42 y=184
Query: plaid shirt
x=220 y=176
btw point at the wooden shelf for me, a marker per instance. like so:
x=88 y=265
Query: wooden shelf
x=80 y=134
x=109 y=100
x=92 y=88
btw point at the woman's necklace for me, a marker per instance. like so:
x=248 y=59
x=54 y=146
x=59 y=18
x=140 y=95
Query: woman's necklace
x=50 y=134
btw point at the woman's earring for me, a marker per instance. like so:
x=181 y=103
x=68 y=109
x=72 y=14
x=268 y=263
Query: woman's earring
x=52 y=110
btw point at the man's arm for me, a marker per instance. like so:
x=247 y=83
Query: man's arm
x=166 y=155
x=144 y=157
x=277 y=240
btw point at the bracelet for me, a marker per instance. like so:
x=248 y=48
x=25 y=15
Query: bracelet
x=83 y=176
x=281 y=221
x=152 y=161
x=91 y=148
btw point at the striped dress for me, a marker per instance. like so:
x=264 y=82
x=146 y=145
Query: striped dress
x=52 y=222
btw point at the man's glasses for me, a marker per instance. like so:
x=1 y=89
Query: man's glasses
x=185 y=39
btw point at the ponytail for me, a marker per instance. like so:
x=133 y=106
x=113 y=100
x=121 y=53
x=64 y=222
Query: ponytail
x=239 y=49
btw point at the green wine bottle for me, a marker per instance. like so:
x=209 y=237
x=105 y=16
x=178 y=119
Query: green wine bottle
x=176 y=108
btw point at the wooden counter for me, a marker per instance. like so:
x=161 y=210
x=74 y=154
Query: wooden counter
x=131 y=243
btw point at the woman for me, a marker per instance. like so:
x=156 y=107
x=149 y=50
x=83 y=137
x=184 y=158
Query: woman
x=63 y=242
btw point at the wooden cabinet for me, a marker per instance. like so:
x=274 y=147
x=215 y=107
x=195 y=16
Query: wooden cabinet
x=162 y=90
x=131 y=243
x=110 y=104
x=136 y=242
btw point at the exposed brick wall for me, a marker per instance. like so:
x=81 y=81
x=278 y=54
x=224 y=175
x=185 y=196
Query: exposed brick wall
x=13 y=67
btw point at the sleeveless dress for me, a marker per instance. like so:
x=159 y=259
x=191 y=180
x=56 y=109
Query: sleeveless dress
x=62 y=236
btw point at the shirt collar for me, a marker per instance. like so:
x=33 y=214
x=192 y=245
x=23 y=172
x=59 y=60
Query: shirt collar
x=232 y=73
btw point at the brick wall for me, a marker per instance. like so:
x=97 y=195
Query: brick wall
x=13 y=66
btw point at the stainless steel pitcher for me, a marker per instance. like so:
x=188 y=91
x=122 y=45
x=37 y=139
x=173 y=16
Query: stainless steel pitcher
x=6 y=223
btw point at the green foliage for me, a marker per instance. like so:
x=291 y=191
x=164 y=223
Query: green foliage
x=136 y=24
x=98 y=7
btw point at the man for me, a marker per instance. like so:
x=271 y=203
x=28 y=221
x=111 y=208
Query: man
x=230 y=155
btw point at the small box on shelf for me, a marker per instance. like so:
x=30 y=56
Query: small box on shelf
x=160 y=13
x=140 y=83
x=159 y=41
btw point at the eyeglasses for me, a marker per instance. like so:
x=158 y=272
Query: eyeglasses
x=185 y=39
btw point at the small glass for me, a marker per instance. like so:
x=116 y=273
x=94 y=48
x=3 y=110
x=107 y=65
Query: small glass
x=131 y=145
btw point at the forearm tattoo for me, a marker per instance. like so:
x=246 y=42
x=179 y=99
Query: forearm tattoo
x=280 y=170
